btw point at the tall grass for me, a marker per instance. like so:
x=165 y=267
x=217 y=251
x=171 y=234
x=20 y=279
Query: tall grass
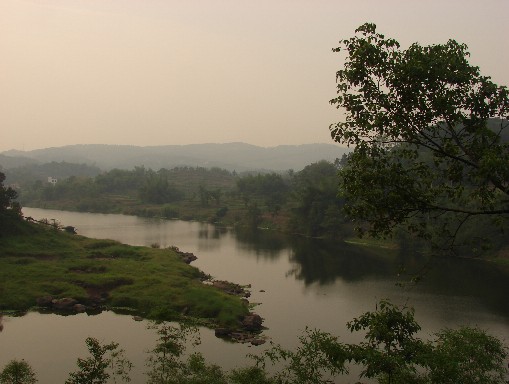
x=152 y=282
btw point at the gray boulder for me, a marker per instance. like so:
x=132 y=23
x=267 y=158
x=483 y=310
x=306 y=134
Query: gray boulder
x=65 y=303
x=252 y=322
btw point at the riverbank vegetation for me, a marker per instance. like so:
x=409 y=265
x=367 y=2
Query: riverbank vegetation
x=391 y=353
x=302 y=202
x=305 y=203
x=40 y=265
x=325 y=199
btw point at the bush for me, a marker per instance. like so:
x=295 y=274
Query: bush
x=391 y=353
x=105 y=361
x=17 y=372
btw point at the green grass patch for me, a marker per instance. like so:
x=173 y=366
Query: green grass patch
x=100 y=244
x=152 y=282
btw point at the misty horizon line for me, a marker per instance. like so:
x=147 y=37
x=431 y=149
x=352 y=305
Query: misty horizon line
x=172 y=145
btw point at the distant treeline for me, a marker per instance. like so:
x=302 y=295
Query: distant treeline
x=303 y=202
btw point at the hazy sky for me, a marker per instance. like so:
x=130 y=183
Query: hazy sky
x=153 y=72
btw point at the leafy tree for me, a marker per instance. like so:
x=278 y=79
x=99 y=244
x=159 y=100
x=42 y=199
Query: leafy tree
x=105 y=361
x=467 y=356
x=17 y=372
x=205 y=195
x=318 y=207
x=10 y=210
x=71 y=188
x=270 y=187
x=428 y=134
x=392 y=354
x=168 y=363
x=121 y=181
x=158 y=190
x=7 y=196
x=250 y=375
x=313 y=362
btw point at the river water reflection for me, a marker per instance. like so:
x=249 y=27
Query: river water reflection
x=298 y=282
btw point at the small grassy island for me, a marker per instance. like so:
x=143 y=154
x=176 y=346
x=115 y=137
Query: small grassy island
x=40 y=266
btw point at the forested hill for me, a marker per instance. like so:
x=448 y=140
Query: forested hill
x=230 y=156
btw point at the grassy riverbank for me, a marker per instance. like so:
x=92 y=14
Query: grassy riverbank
x=36 y=261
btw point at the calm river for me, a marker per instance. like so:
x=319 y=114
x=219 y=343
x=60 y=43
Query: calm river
x=298 y=282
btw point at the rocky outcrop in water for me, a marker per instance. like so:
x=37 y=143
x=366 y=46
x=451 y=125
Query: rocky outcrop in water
x=252 y=322
x=248 y=331
x=250 y=326
x=64 y=304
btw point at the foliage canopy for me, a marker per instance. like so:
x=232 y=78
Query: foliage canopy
x=429 y=135
x=17 y=372
x=392 y=353
x=7 y=197
x=104 y=361
x=10 y=210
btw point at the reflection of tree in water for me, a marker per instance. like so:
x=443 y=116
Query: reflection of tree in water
x=318 y=260
x=456 y=277
x=265 y=243
x=323 y=261
x=208 y=236
x=1 y=324
x=478 y=279
x=207 y=231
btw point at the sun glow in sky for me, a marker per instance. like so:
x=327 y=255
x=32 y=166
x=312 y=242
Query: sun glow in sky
x=157 y=72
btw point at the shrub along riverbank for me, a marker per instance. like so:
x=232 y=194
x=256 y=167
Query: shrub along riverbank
x=40 y=265
x=304 y=202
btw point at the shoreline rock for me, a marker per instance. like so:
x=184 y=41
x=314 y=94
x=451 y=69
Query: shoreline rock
x=249 y=331
x=252 y=322
x=187 y=257
x=231 y=288
x=64 y=304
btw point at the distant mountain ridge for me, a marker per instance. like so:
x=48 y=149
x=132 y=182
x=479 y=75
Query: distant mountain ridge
x=231 y=156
